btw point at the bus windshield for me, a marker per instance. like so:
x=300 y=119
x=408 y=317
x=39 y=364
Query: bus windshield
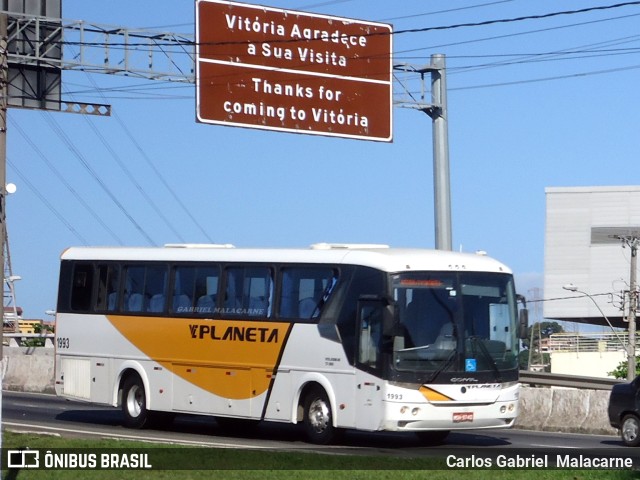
x=456 y=322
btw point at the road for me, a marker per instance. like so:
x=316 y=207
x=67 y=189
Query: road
x=24 y=412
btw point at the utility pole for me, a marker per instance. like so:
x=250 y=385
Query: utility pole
x=437 y=110
x=633 y=307
x=631 y=238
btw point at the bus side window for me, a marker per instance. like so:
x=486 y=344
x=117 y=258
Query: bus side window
x=195 y=290
x=206 y=290
x=155 y=289
x=108 y=287
x=370 y=326
x=305 y=290
x=182 y=294
x=82 y=287
x=134 y=300
x=249 y=291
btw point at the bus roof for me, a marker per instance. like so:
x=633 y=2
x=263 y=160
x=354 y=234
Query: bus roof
x=376 y=256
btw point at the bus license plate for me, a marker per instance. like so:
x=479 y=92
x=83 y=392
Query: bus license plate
x=460 y=417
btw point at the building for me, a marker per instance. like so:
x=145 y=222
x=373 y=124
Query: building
x=587 y=271
x=583 y=248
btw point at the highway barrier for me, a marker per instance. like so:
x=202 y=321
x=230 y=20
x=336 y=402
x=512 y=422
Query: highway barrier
x=28 y=369
x=544 y=408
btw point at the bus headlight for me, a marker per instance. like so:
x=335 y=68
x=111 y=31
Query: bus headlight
x=415 y=411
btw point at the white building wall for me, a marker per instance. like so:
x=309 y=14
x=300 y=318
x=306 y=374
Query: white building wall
x=570 y=256
x=588 y=364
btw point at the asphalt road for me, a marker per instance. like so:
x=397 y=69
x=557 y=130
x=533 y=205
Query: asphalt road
x=24 y=412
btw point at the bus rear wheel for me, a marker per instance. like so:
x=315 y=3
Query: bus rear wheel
x=318 y=418
x=134 y=403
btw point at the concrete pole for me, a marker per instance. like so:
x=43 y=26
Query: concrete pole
x=633 y=300
x=441 y=178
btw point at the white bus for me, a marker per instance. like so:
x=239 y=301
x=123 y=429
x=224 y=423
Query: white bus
x=334 y=337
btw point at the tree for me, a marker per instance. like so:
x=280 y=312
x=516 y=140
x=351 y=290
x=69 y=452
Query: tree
x=540 y=330
x=622 y=369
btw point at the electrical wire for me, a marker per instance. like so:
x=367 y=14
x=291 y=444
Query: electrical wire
x=517 y=34
x=83 y=161
x=46 y=202
x=483 y=23
x=131 y=177
x=515 y=19
x=155 y=170
x=64 y=181
x=448 y=10
x=547 y=79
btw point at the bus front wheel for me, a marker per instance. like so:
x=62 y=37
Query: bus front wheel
x=134 y=402
x=318 y=418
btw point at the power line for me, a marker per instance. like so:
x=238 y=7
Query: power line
x=47 y=203
x=517 y=34
x=483 y=23
x=448 y=10
x=131 y=177
x=515 y=19
x=64 y=181
x=547 y=79
x=158 y=174
x=83 y=161
x=539 y=300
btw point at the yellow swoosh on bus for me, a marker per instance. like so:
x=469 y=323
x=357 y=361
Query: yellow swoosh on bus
x=232 y=359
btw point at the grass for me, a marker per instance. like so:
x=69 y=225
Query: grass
x=201 y=463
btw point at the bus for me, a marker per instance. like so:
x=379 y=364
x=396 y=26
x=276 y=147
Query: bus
x=332 y=337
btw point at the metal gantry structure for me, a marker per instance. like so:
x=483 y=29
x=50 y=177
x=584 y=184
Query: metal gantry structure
x=100 y=48
x=39 y=48
x=36 y=49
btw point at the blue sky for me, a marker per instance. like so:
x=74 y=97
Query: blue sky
x=532 y=104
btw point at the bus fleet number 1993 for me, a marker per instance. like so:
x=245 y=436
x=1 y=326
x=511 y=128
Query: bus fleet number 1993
x=63 y=342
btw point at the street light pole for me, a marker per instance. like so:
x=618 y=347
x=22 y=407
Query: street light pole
x=572 y=288
x=438 y=112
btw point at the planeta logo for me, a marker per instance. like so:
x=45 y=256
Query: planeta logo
x=234 y=333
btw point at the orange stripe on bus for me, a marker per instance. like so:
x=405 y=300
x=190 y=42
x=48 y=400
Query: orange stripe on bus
x=433 y=395
x=234 y=359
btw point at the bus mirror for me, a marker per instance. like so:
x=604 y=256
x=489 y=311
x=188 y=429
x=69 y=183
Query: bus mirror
x=389 y=317
x=523 y=325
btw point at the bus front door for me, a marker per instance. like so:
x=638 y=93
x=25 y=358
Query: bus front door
x=368 y=384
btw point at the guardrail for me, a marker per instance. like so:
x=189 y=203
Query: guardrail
x=570 y=381
x=22 y=339
x=542 y=379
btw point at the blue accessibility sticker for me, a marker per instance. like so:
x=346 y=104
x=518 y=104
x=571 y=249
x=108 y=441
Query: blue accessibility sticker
x=470 y=365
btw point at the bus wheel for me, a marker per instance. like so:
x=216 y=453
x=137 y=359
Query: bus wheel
x=134 y=403
x=318 y=419
x=433 y=437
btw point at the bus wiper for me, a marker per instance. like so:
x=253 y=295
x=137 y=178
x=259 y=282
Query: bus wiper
x=476 y=340
x=442 y=367
x=324 y=297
